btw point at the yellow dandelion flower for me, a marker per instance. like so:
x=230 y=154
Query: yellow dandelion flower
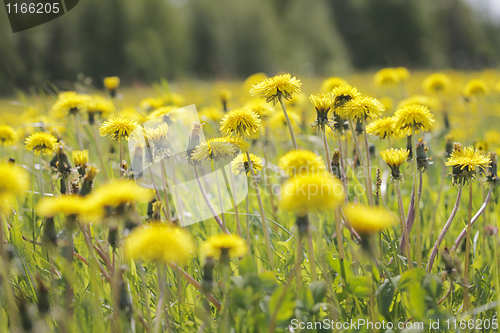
x=118 y=128
x=331 y=83
x=403 y=73
x=369 y=220
x=14 y=180
x=119 y=192
x=159 y=242
x=7 y=135
x=301 y=162
x=394 y=158
x=132 y=114
x=157 y=135
x=112 y=82
x=273 y=88
x=214 y=149
x=278 y=121
x=240 y=121
x=211 y=113
x=362 y=107
x=303 y=194
x=437 y=83
x=344 y=94
x=262 y=108
x=475 y=87
x=430 y=102
x=468 y=157
x=235 y=140
x=481 y=145
x=253 y=80
x=69 y=102
x=41 y=142
x=164 y=113
x=387 y=77
x=99 y=104
x=383 y=127
x=225 y=95
x=67 y=205
x=387 y=102
x=151 y=103
x=413 y=116
x=322 y=103
x=80 y=157
x=225 y=245
x=240 y=164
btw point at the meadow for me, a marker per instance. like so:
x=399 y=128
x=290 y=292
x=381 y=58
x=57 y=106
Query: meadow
x=371 y=205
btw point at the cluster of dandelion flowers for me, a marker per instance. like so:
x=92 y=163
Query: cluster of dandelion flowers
x=474 y=88
x=382 y=127
x=322 y=103
x=274 y=88
x=41 y=142
x=224 y=247
x=311 y=193
x=240 y=164
x=240 y=122
x=301 y=162
x=331 y=83
x=159 y=243
x=437 y=83
x=362 y=108
x=466 y=162
x=369 y=220
x=118 y=128
x=414 y=116
x=394 y=158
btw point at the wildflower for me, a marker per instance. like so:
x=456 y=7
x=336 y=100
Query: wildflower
x=69 y=102
x=278 y=121
x=383 y=127
x=322 y=103
x=240 y=164
x=303 y=194
x=492 y=175
x=224 y=246
x=159 y=242
x=214 y=150
x=112 y=82
x=430 y=102
x=80 y=157
x=164 y=113
x=387 y=77
x=118 y=128
x=344 y=94
x=239 y=122
x=7 y=135
x=211 y=113
x=157 y=135
x=413 y=117
x=67 y=205
x=362 y=108
x=394 y=158
x=194 y=140
x=369 y=220
x=14 y=181
x=120 y=192
x=274 y=88
x=151 y=103
x=423 y=161
x=253 y=80
x=403 y=73
x=41 y=142
x=301 y=162
x=225 y=96
x=437 y=83
x=235 y=140
x=331 y=83
x=88 y=180
x=466 y=162
x=481 y=145
x=99 y=105
x=263 y=109
x=475 y=87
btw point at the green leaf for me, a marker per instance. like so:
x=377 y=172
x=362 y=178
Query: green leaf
x=411 y=277
x=416 y=299
x=246 y=266
x=359 y=286
x=318 y=290
x=268 y=281
x=306 y=299
x=282 y=304
x=385 y=294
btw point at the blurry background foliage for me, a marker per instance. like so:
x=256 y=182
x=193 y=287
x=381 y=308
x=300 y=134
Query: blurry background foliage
x=142 y=41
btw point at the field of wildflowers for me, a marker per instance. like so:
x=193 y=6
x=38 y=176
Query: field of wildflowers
x=369 y=205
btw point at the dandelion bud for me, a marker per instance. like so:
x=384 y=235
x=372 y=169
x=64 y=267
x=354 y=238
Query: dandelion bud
x=409 y=147
x=194 y=140
x=336 y=164
x=150 y=209
x=113 y=237
x=80 y=159
x=449 y=145
x=208 y=275
x=359 y=127
x=422 y=161
x=302 y=223
x=492 y=169
x=63 y=164
x=452 y=266
x=157 y=210
x=88 y=180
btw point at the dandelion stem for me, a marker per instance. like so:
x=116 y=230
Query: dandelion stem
x=312 y=260
x=94 y=135
x=467 y=252
x=338 y=232
x=289 y=124
x=219 y=193
x=417 y=199
x=207 y=201
x=298 y=261
x=120 y=172
x=165 y=191
x=342 y=165
x=229 y=186
x=261 y=208
x=358 y=152
x=327 y=151
x=368 y=171
x=404 y=228
x=445 y=229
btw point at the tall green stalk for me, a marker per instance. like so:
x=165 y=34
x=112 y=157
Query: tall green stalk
x=289 y=124
x=418 y=227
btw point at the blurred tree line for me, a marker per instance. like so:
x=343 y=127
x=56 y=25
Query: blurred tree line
x=149 y=39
